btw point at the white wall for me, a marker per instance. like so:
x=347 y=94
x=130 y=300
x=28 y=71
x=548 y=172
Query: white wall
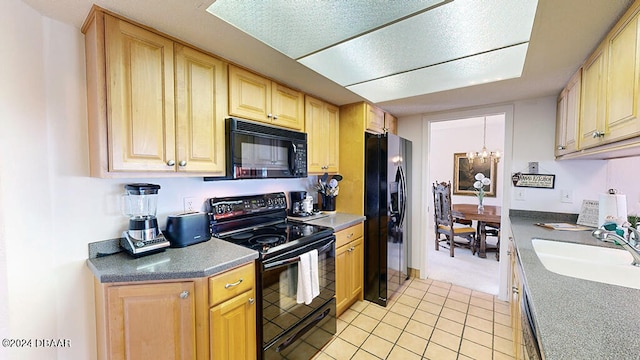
x=50 y=209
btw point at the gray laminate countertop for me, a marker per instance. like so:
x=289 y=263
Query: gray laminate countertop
x=575 y=318
x=337 y=221
x=198 y=260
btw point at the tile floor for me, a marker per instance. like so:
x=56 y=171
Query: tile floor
x=427 y=319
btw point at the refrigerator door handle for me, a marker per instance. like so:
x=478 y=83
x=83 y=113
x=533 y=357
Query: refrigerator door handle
x=403 y=187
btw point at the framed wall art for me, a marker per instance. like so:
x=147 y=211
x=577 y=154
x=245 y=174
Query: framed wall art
x=464 y=173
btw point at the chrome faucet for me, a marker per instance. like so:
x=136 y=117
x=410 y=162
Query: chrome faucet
x=634 y=237
x=604 y=235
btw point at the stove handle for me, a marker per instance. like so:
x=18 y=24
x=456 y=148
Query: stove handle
x=275 y=264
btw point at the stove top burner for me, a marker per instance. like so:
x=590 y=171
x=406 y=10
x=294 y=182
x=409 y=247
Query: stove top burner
x=275 y=238
x=267 y=239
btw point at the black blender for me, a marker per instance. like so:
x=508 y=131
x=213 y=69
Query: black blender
x=139 y=203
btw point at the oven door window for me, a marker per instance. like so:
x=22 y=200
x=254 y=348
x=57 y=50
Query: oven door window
x=280 y=310
x=261 y=157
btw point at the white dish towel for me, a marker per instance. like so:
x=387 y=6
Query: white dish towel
x=308 y=284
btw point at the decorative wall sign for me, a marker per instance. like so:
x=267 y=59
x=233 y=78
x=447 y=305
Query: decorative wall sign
x=542 y=181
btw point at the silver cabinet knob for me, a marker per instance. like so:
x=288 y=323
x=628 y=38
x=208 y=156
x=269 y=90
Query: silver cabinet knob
x=515 y=290
x=561 y=147
x=597 y=134
x=252 y=300
x=184 y=294
x=275 y=117
x=182 y=163
x=269 y=116
x=171 y=162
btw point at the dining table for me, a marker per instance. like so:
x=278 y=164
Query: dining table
x=489 y=214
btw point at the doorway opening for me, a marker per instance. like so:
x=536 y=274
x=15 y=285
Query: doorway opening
x=445 y=139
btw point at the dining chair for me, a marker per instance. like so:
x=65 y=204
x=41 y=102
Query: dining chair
x=445 y=224
x=493 y=229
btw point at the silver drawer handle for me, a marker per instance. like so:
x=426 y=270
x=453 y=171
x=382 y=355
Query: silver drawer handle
x=184 y=294
x=233 y=284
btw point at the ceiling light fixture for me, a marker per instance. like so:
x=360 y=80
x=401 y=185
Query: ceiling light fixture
x=484 y=155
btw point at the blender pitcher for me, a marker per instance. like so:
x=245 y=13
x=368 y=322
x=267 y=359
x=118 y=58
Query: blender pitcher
x=140 y=203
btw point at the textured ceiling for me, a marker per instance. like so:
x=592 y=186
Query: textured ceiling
x=564 y=33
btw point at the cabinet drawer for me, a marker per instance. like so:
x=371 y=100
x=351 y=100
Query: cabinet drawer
x=343 y=237
x=231 y=283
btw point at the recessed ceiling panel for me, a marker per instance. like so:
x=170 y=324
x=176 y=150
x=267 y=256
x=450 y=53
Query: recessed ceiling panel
x=502 y=64
x=300 y=27
x=452 y=31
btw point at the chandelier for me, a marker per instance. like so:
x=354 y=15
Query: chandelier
x=484 y=155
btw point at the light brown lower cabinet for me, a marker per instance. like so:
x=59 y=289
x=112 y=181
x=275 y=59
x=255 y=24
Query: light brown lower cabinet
x=349 y=267
x=180 y=319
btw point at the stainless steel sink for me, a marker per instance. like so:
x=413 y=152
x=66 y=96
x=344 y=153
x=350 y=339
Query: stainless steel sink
x=601 y=264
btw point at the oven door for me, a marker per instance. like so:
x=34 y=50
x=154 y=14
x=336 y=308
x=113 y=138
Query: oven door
x=304 y=340
x=280 y=309
x=259 y=156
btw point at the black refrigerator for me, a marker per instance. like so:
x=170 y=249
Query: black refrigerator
x=387 y=224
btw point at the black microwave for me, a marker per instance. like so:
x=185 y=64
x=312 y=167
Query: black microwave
x=259 y=151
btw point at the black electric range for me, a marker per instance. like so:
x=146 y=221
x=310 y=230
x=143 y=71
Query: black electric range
x=284 y=323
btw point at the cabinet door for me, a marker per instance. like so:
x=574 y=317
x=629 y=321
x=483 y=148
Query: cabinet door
x=201 y=105
x=568 y=112
x=349 y=274
x=249 y=95
x=287 y=107
x=233 y=328
x=317 y=130
x=343 y=278
x=151 y=321
x=390 y=124
x=573 y=112
x=623 y=70
x=140 y=94
x=332 y=116
x=592 y=109
x=357 y=268
x=375 y=119
x=561 y=123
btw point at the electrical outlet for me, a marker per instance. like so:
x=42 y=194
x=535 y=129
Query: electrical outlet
x=566 y=196
x=189 y=204
x=519 y=194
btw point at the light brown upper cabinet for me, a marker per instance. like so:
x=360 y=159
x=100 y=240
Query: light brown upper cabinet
x=592 y=103
x=608 y=121
x=322 y=127
x=380 y=122
x=201 y=106
x=623 y=80
x=391 y=124
x=254 y=97
x=155 y=106
x=375 y=119
x=568 y=116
